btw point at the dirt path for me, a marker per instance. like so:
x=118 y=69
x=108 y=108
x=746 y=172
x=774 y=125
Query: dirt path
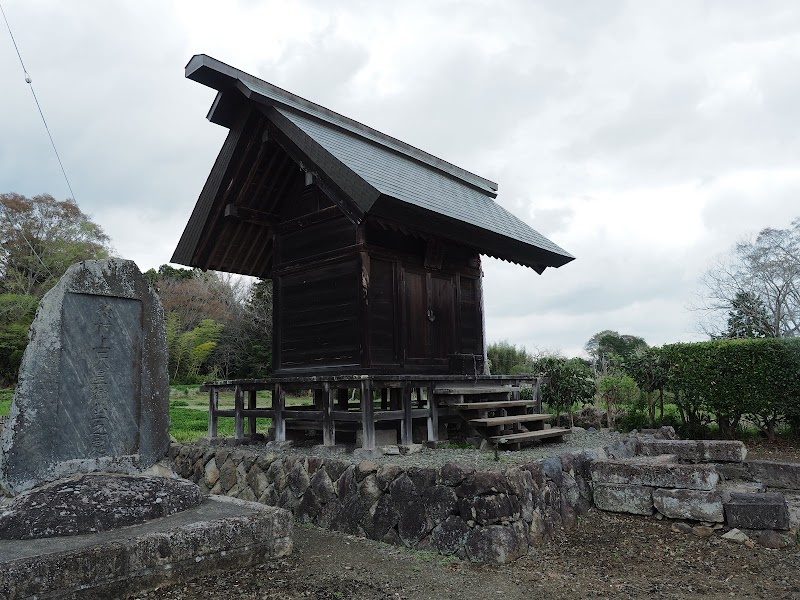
x=606 y=556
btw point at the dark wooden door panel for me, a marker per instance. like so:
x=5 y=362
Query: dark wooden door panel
x=441 y=315
x=416 y=318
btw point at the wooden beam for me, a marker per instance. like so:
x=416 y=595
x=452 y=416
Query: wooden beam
x=238 y=404
x=250 y=215
x=278 y=402
x=367 y=416
x=433 y=415
x=213 y=404
x=251 y=405
x=328 y=424
x=407 y=425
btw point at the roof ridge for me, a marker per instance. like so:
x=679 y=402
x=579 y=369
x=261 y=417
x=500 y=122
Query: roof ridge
x=217 y=75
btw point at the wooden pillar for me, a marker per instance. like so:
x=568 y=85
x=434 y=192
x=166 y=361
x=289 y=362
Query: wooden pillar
x=319 y=398
x=367 y=416
x=407 y=425
x=420 y=402
x=213 y=404
x=433 y=416
x=395 y=398
x=251 y=405
x=342 y=398
x=278 y=405
x=328 y=424
x=238 y=406
x=384 y=398
x=537 y=394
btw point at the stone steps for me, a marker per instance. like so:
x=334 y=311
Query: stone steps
x=491 y=405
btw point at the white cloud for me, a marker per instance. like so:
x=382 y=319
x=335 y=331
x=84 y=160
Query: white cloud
x=645 y=138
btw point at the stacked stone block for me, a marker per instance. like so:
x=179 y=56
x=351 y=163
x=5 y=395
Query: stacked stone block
x=482 y=516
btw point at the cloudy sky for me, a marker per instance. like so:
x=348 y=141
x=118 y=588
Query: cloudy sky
x=644 y=137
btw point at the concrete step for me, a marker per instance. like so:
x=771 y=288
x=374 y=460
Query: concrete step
x=529 y=436
x=510 y=420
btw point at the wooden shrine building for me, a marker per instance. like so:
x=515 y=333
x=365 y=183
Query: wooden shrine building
x=373 y=246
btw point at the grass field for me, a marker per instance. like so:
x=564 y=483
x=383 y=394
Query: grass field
x=188 y=411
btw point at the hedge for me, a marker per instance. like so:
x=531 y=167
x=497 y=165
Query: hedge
x=754 y=378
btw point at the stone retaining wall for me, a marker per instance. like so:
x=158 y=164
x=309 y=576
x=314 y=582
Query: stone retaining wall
x=482 y=516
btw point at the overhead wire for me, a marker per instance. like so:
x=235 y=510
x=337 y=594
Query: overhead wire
x=29 y=81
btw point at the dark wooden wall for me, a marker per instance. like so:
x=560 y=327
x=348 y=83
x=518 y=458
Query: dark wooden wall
x=369 y=298
x=315 y=279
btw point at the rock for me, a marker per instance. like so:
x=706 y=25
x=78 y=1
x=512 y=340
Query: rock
x=496 y=544
x=453 y=474
x=364 y=468
x=654 y=473
x=689 y=504
x=297 y=479
x=386 y=475
x=92 y=503
x=449 y=536
x=552 y=469
x=702 y=531
x=632 y=499
x=440 y=501
x=257 y=481
x=390 y=450
x=488 y=510
x=731 y=471
x=403 y=490
x=696 y=450
x=227 y=475
x=681 y=528
x=93 y=391
x=734 y=535
x=410 y=449
x=772 y=539
x=775 y=474
x=383 y=517
x=322 y=486
x=483 y=482
x=412 y=524
x=368 y=489
x=757 y=511
x=749 y=544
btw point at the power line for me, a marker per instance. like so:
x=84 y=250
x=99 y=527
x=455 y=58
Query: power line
x=41 y=113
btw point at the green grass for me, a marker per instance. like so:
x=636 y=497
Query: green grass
x=5 y=402
x=187 y=424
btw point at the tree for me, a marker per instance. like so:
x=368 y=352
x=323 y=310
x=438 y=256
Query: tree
x=747 y=318
x=648 y=369
x=757 y=287
x=569 y=381
x=40 y=238
x=610 y=347
x=506 y=359
x=616 y=389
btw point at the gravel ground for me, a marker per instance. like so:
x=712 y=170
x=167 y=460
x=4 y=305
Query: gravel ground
x=605 y=556
x=480 y=459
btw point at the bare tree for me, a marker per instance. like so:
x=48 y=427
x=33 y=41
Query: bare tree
x=757 y=285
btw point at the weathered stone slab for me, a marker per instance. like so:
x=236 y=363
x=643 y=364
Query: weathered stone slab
x=220 y=534
x=757 y=511
x=93 y=503
x=775 y=474
x=696 y=450
x=93 y=390
x=689 y=504
x=633 y=499
x=655 y=474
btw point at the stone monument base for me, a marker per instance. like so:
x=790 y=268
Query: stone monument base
x=219 y=534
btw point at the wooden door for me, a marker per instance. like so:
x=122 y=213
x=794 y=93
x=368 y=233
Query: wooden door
x=429 y=316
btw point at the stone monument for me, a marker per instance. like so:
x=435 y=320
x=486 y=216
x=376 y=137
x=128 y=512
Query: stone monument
x=93 y=391
x=90 y=416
